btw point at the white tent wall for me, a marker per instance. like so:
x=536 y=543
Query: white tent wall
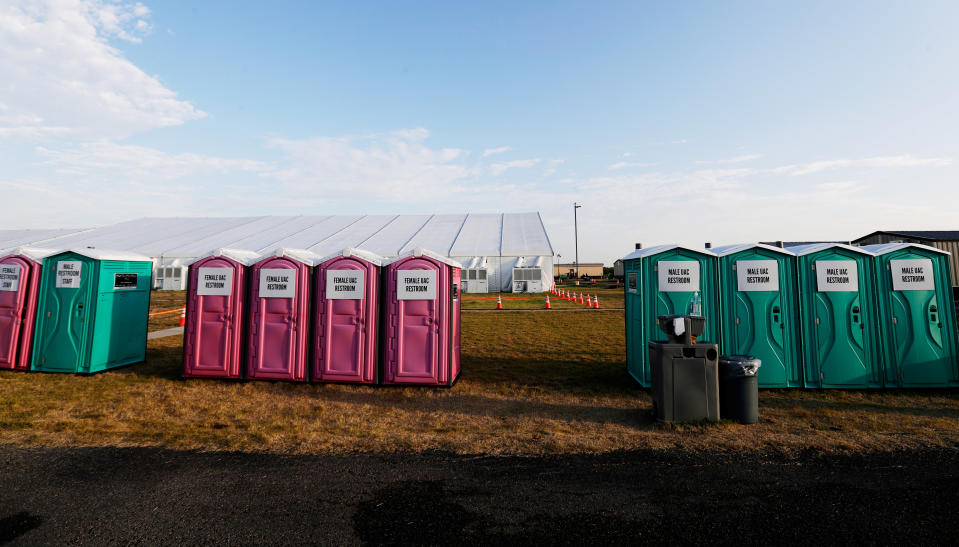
x=504 y=239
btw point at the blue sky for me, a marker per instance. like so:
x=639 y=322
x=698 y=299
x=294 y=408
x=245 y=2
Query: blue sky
x=671 y=122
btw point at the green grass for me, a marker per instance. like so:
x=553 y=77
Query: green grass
x=532 y=383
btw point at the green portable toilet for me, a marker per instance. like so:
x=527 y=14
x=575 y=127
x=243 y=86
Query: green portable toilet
x=759 y=311
x=633 y=302
x=667 y=278
x=840 y=321
x=92 y=311
x=917 y=315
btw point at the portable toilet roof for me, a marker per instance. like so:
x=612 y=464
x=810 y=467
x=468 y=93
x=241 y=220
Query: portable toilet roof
x=802 y=250
x=726 y=250
x=427 y=253
x=883 y=248
x=300 y=255
x=239 y=255
x=657 y=249
x=368 y=256
x=36 y=254
x=106 y=254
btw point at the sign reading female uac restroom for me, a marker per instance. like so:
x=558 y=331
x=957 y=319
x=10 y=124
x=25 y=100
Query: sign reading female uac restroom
x=277 y=283
x=912 y=275
x=345 y=284
x=68 y=274
x=214 y=282
x=837 y=276
x=757 y=275
x=416 y=285
x=678 y=275
x=9 y=277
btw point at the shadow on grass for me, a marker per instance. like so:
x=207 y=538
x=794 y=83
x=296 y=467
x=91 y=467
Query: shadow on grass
x=884 y=402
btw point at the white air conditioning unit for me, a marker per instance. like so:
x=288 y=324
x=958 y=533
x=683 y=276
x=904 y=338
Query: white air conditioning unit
x=527 y=280
x=474 y=280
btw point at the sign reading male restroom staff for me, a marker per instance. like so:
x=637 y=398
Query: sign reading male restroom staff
x=277 y=283
x=9 y=277
x=416 y=285
x=837 y=276
x=678 y=276
x=912 y=275
x=214 y=282
x=345 y=284
x=757 y=275
x=68 y=274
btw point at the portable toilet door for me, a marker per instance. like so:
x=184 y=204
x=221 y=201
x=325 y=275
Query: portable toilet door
x=633 y=302
x=422 y=320
x=672 y=277
x=837 y=307
x=279 y=329
x=216 y=314
x=346 y=318
x=759 y=311
x=917 y=315
x=19 y=289
x=92 y=311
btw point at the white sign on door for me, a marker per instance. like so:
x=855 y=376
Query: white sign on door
x=757 y=275
x=416 y=285
x=912 y=275
x=345 y=284
x=837 y=275
x=9 y=277
x=68 y=274
x=214 y=282
x=678 y=276
x=277 y=283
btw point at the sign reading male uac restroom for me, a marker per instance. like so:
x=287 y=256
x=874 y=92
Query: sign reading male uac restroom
x=912 y=275
x=68 y=274
x=757 y=275
x=9 y=277
x=345 y=284
x=416 y=285
x=678 y=275
x=277 y=283
x=214 y=282
x=837 y=276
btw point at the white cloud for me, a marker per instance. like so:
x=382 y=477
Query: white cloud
x=107 y=160
x=625 y=164
x=395 y=166
x=491 y=151
x=741 y=159
x=905 y=160
x=497 y=169
x=61 y=78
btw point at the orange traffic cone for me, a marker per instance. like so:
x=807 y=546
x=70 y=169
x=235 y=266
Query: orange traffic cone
x=183 y=316
x=499 y=302
x=581 y=298
x=548 y=306
x=595 y=301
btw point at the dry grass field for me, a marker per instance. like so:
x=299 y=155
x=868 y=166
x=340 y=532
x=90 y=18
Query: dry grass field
x=532 y=383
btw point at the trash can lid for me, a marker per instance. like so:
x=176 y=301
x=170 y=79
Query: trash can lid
x=739 y=365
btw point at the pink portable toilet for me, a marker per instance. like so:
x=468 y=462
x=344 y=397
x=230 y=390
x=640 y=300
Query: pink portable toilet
x=19 y=290
x=279 y=330
x=422 y=318
x=216 y=314
x=346 y=317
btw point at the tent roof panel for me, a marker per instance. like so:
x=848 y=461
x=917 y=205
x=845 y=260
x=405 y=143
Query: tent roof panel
x=438 y=233
x=524 y=235
x=480 y=235
x=393 y=237
x=353 y=235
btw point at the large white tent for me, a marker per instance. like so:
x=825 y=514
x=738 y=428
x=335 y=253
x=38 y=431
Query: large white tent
x=498 y=243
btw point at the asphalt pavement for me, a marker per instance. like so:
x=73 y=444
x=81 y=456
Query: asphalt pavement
x=59 y=496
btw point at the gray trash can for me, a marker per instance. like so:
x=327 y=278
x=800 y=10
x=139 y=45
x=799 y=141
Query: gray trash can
x=685 y=379
x=739 y=388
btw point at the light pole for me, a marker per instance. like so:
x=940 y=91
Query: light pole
x=576 y=237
